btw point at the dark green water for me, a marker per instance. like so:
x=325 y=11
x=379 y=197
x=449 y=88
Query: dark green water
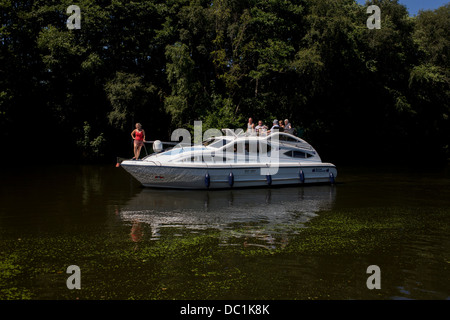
x=311 y=242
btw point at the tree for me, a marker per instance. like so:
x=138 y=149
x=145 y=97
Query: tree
x=429 y=81
x=168 y=63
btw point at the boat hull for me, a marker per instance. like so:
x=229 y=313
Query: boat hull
x=230 y=176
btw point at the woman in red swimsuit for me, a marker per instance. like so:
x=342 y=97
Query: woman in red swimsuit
x=138 y=136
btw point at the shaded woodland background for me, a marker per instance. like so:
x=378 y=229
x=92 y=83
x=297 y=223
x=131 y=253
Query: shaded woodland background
x=357 y=95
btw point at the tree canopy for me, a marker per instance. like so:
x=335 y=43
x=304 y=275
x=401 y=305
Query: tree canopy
x=353 y=92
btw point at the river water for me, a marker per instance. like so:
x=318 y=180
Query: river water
x=303 y=242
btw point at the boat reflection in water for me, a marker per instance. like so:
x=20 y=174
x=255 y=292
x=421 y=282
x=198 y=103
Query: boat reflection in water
x=258 y=217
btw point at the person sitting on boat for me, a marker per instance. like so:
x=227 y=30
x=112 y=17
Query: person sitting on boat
x=261 y=128
x=288 y=127
x=138 y=136
x=250 y=125
x=287 y=124
x=275 y=126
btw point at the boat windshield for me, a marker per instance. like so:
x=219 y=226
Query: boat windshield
x=215 y=143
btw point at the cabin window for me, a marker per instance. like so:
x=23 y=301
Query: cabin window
x=263 y=148
x=196 y=159
x=249 y=147
x=217 y=159
x=298 y=154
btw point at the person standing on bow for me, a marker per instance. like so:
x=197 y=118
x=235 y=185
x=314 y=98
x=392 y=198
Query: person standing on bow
x=138 y=136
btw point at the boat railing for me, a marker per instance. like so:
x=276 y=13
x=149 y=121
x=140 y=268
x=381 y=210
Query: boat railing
x=157 y=163
x=299 y=145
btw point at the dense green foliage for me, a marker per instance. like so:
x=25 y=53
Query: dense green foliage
x=167 y=63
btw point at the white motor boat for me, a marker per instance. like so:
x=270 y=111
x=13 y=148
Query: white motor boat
x=233 y=161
